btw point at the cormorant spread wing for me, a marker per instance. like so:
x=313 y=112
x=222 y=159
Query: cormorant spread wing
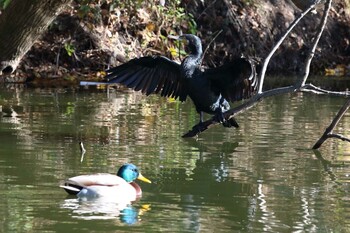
x=151 y=74
x=210 y=90
x=235 y=80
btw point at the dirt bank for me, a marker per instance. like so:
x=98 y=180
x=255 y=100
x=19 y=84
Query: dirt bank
x=82 y=47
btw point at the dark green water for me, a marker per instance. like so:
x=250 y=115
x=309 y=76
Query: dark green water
x=262 y=177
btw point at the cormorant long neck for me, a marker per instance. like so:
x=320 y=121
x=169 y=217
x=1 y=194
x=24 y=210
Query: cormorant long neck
x=193 y=60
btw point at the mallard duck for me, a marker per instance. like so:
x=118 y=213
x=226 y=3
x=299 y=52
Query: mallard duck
x=121 y=185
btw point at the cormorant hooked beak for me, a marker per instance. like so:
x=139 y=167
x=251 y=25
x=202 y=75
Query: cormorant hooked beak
x=182 y=39
x=174 y=37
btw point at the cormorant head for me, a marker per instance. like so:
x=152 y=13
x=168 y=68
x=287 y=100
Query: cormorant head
x=129 y=172
x=194 y=44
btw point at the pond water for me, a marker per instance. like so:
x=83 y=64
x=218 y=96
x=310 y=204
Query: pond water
x=262 y=177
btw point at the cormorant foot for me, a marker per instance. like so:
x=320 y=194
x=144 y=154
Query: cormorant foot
x=219 y=117
x=226 y=123
x=230 y=123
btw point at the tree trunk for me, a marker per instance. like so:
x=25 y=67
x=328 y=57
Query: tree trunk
x=21 y=24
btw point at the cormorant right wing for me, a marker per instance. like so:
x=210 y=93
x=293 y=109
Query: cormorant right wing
x=151 y=74
x=235 y=80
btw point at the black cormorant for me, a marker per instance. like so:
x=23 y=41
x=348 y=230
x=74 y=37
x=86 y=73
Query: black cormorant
x=210 y=90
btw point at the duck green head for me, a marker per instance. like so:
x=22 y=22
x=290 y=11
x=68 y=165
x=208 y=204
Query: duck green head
x=129 y=172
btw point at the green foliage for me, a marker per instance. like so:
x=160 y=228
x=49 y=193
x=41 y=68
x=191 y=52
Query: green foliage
x=164 y=18
x=92 y=11
x=69 y=49
x=192 y=23
x=138 y=26
x=147 y=20
x=84 y=10
x=248 y=2
x=129 y=5
x=4 y=3
x=178 y=17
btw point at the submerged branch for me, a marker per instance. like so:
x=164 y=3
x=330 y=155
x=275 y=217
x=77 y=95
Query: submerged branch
x=339 y=136
x=328 y=133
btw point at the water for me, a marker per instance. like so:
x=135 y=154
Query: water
x=262 y=177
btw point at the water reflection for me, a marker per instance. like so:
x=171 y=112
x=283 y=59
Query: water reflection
x=260 y=177
x=104 y=208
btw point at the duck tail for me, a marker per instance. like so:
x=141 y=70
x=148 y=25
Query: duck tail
x=70 y=189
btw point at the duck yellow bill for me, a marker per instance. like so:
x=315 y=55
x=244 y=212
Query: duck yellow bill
x=144 y=179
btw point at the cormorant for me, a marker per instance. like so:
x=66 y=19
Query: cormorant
x=210 y=90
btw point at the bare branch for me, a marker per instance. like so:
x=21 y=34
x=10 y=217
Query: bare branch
x=311 y=54
x=339 y=136
x=214 y=38
x=312 y=88
x=197 y=129
x=267 y=60
x=328 y=133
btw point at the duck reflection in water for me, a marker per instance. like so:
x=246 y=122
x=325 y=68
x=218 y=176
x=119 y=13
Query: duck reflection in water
x=104 y=208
